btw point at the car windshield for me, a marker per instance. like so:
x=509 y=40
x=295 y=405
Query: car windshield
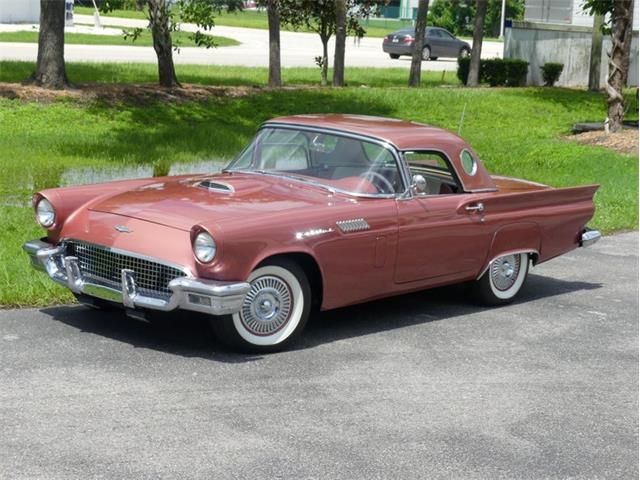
x=332 y=161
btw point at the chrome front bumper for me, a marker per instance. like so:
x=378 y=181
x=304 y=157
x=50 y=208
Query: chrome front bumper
x=199 y=295
x=589 y=237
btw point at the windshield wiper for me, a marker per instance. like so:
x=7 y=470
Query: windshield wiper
x=306 y=180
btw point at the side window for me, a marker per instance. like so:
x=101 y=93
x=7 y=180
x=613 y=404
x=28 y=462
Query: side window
x=447 y=35
x=431 y=173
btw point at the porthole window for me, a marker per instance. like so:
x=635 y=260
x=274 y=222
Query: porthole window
x=469 y=164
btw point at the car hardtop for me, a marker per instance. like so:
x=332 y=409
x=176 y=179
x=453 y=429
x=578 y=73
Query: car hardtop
x=402 y=134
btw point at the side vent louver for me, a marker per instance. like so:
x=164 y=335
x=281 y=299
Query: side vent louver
x=354 y=225
x=216 y=186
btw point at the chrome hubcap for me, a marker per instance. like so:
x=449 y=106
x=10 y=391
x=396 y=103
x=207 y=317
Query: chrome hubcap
x=504 y=271
x=267 y=306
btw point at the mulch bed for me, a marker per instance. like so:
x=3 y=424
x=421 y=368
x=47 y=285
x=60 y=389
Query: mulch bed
x=624 y=141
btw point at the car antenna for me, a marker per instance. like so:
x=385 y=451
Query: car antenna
x=464 y=109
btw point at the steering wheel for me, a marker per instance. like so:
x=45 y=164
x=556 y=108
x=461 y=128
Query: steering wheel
x=379 y=181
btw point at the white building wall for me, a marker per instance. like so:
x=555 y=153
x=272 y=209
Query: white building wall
x=19 y=11
x=538 y=43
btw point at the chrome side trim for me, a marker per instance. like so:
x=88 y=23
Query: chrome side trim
x=188 y=293
x=589 y=237
x=509 y=252
x=354 y=225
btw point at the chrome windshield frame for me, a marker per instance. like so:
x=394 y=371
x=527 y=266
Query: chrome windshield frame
x=400 y=164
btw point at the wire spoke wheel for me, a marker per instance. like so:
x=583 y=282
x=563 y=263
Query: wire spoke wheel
x=502 y=279
x=504 y=272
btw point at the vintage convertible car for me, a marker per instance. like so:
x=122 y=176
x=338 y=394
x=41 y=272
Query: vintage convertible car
x=319 y=210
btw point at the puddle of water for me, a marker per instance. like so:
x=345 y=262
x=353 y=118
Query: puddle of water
x=16 y=189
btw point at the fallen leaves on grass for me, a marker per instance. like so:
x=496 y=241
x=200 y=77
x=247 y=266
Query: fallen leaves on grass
x=125 y=93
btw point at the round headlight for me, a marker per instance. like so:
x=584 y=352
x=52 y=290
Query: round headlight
x=45 y=213
x=204 y=247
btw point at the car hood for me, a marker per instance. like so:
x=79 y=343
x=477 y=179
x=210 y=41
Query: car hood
x=184 y=202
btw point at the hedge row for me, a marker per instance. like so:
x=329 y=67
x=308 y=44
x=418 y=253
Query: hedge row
x=509 y=72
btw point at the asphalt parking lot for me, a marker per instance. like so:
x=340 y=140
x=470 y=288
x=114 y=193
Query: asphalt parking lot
x=420 y=386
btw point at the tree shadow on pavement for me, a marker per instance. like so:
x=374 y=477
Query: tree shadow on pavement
x=187 y=334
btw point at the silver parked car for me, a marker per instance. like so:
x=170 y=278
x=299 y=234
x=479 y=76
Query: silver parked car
x=437 y=43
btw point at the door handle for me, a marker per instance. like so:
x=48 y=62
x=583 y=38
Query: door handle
x=478 y=207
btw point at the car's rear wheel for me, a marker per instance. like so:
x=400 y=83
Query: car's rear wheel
x=274 y=312
x=503 y=279
x=426 y=53
x=394 y=56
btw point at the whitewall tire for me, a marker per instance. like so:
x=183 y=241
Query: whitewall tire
x=274 y=312
x=503 y=279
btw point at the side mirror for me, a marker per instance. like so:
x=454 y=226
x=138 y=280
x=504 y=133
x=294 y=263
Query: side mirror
x=418 y=184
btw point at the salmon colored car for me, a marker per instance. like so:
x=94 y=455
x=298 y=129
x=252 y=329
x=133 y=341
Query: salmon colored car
x=319 y=210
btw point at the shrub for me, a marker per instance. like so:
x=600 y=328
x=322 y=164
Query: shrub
x=510 y=72
x=493 y=72
x=551 y=73
x=516 y=71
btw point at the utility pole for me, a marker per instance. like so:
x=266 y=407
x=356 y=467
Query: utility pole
x=504 y=9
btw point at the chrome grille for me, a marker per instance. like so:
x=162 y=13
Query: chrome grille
x=103 y=266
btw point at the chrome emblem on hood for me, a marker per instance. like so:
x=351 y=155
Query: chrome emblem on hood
x=123 y=229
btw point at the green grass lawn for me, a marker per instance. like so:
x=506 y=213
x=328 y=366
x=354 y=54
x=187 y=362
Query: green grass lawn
x=517 y=132
x=90 y=72
x=144 y=40
x=376 y=27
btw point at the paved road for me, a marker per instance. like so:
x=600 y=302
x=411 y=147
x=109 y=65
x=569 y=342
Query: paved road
x=298 y=50
x=420 y=386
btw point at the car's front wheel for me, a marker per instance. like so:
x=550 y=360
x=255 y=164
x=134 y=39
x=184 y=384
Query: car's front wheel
x=426 y=53
x=394 y=56
x=503 y=279
x=274 y=312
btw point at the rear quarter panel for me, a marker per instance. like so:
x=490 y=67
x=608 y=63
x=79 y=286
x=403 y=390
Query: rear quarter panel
x=549 y=221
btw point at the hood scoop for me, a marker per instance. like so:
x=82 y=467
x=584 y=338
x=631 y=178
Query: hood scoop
x=215 y=186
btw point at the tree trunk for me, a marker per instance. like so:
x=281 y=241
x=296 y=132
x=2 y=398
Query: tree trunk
x=416 y=58
x=50 y=71
x=596 y=53
x=273 y=14
x=474 y=66
x=341 y=39
x=325 y=61
x=621 y=27
x=161 y=33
